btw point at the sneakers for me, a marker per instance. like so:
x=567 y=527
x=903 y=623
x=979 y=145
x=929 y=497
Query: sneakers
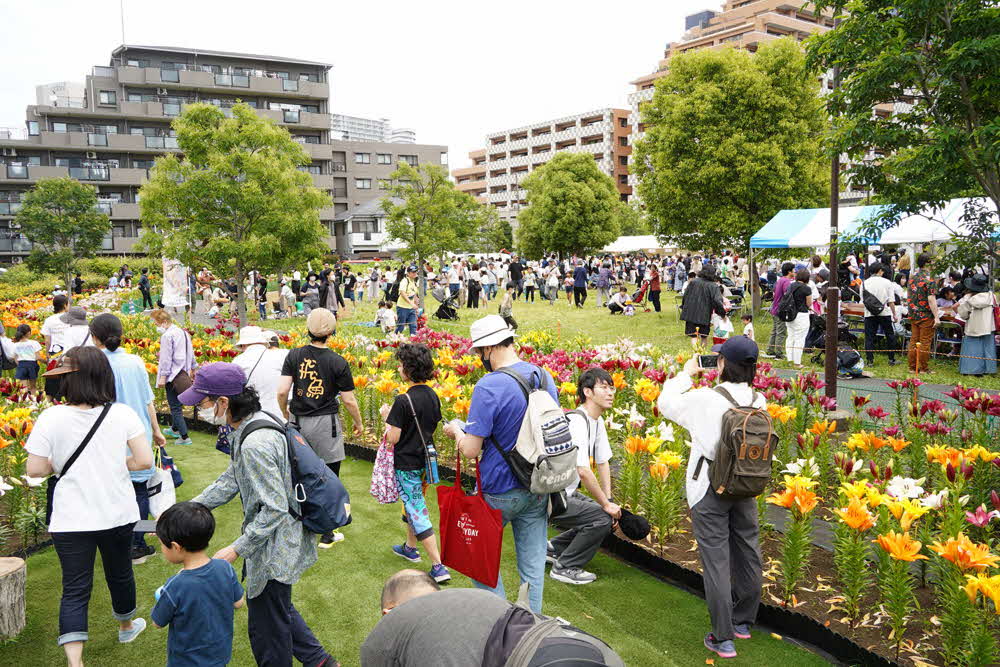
x=572 y=575
x=742 y=630
x=183 y=441
x=440 y=574
x=171 y=433
x=724 y=649
x=550 y=554
x=330 y=539
x=126 y=636
x=409 y=553
x=141 y=554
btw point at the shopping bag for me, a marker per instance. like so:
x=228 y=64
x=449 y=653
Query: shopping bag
x=383 y=487
x=162 y=495
x=471 y=531
x=167 y=463
x=996 y=315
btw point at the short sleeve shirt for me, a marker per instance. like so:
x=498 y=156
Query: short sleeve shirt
x=591 y=440
x=497 y=410
x=409 y=288
x=318 y=376
x=55 y=328
x=197 y=605
x=132 y=388
x=922 y=290
x=408 y=454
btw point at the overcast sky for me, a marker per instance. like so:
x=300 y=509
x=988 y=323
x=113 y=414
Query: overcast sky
x=453 y=71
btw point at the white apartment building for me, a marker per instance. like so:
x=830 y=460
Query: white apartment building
x=356 y=128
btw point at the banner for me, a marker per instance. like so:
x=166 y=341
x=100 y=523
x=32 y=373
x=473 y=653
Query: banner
x=175 y=284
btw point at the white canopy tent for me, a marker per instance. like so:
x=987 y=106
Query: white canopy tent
x=635 y=244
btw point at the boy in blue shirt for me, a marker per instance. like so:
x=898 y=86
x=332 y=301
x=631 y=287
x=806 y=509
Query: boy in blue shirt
x=197 y=603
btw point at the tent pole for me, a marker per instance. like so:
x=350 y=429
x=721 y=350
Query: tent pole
x=754 y=284
x=832 y=288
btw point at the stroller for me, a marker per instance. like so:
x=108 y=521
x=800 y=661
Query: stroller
x=639 y=296
x=816 y=336
x=447 y=310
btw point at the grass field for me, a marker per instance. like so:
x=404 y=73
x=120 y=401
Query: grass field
x=647 y=621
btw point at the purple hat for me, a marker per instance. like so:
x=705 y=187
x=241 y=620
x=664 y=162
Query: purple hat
x=739 y=350
x=220 y=378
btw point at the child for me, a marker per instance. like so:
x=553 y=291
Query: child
x=552 y=284
x=529 y=285
x=722 y=327
x=287 y=298
x=568 y=286
x=619 y=301
x=748 y=326
x=27 y=353
x=507 y=307
x=385 y=317
x=197 y=602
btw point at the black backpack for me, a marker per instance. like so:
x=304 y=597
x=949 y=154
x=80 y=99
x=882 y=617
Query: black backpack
x=787 y=312
x=6 y=363
x=394 y=290
x=522 y=638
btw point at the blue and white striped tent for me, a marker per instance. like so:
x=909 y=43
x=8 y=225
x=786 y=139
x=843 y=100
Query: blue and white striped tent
x=810 y=227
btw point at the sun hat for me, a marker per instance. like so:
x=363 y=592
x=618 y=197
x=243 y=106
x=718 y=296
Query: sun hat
x=62 y=365
x=75 y=315
x=489 y=330
x=321 y=322
x=251 y=336
x=633 y=526
x=220 y=378
x=739 y=350
x=977 y=283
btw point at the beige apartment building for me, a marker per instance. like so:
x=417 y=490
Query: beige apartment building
x=510 y=155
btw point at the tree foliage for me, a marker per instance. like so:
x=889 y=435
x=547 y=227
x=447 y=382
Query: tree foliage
x=571 y=207
x=428 y=215
x=937 y=62
x=495 y=233
x=60 y=217
x=631 y=220
x=731 y=139
x=236 y=201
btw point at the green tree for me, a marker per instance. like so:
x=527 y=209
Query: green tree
x=731 y=139
x=60 y=218
x=938 y=62
x=425 y=212
x=236 y=200
x=571 y=207
x=496 y=233
x=632 y=220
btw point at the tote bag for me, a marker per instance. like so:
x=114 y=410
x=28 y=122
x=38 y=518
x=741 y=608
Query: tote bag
x=471 y=531
x=383 y=487
x=162 y=495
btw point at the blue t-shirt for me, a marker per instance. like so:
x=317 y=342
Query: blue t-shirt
x=498 y=407
x=198 y=606
x=132 y=388
x=580 y=277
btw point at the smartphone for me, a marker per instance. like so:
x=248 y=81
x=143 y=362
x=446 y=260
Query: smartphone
x=708 y=361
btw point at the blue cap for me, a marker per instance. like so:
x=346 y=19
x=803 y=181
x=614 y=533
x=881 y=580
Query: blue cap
x=739 y=350
x=412 y=267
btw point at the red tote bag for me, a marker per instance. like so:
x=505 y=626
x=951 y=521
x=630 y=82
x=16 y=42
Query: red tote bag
x=471 y=531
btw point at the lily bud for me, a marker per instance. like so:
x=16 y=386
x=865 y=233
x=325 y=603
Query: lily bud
x=967 y=471
x=816 y=441
x=949 y=472
x=888 y=471
x=849 y=466
x=801 y=439
x=874 y=470
x=995 y=500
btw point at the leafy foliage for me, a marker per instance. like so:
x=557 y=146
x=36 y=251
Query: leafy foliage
x=60 y=217
x=731 y=139
x=236 y=200
x=631 y=220
x=938 y=64
x=571 y=207
x=496 y=232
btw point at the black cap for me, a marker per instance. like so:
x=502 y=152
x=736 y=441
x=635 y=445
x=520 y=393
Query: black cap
x=633 y=526
x=739 y=350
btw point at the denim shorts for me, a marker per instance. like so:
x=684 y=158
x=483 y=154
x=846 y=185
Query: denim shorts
x=26 y=370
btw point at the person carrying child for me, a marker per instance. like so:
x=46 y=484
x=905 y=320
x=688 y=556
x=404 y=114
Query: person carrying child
x=197 y=603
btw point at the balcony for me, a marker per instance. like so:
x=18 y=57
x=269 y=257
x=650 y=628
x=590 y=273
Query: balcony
x=327 y=213
x=340 y=193
x=323 y=181
x=223 y=81
x=160 y=143
x=124 y=211
x=316 y=151
x=339 y=166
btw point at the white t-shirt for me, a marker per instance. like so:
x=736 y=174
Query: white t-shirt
x=591 y=440
x=748 y=330
x=453 y=276
x=77 y=335
x=56 y=328
x=26 y=350
x=883 y=290
x=263 y=376
x=97 y=493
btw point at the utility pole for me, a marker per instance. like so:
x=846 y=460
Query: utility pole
x=832 y=287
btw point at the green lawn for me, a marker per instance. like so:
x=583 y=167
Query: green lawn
x=647 y=621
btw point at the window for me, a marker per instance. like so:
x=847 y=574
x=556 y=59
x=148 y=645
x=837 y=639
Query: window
x=363 y=183
x=623 y=141
x=313 y=169
x=409 y=159
x=108 y=97
x=444 y=159
x=66 y=127
x=623 y=160
x=309 y=138
x=137 y=63
x=281 y=75
x=289 y=84
x=384 y=158
x=623 y=179
x=33 y=128
x=384 y=185
x=290 y=116
x=623 y=122
x=143 y=164
x=362 y=158
x=307 y=76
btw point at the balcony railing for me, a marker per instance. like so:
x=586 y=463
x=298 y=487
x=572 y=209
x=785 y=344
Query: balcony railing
x=170 y=75
x=340 y=192
x=103 y=72
x=232 y=80
x=171 y=109
x=13 y=133
x=90 y=173
x=161 y=142
x=17 y=171
x=14 y=244
x=97 y=139
x=339 y=166
x=289 y=115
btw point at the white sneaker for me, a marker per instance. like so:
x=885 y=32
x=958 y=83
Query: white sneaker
x=572 y=575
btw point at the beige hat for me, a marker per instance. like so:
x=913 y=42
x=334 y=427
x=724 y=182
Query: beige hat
x=252 y=336
x=321 y=322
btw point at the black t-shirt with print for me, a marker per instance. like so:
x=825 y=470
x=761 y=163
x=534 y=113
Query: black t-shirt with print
x=318 y=376
x=409 y=451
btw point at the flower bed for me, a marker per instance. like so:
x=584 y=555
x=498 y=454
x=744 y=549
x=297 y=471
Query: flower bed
x=909 y=492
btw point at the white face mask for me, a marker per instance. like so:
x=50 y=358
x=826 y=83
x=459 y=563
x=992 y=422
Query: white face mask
x=208 y=415
x=161 y=329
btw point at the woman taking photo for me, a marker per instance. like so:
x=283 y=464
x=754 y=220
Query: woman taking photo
x=979 y=351
x=87 y=442
x=411 y=421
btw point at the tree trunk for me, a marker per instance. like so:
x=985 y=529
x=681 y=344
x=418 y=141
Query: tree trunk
x=13 y=575
x=241 y=303
x=68 y=286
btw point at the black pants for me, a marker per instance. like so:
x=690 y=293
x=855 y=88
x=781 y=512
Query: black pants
x=579 y=296
x=77 y=552
x=277 y=631
x=334 y=467
x=872 y=327
x=586 y=526
x=142 y=500
x=529 y=293
x=473 y=300
x=654 y=298
x=615 y=308
x=146 y=299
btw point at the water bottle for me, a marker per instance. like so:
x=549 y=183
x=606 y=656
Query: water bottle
x=432 y=464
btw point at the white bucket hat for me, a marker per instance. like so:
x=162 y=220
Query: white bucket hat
x=252 y=336
x=490 y=330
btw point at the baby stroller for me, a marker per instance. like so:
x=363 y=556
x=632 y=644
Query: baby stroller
x=639 y=296
x=816 y=336
x=447 y=310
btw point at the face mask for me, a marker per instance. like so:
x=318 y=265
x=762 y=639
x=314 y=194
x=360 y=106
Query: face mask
x=208 y=415
x=486 y=362
x=161 y=329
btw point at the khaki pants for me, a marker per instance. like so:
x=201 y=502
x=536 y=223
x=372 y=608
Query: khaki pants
x=922 y=332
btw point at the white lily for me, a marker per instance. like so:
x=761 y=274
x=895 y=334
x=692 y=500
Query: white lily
x=665 y=431
x=4 y=486
x=33 y=481
x=905 y=487
x=935 y=500
x=804 y=467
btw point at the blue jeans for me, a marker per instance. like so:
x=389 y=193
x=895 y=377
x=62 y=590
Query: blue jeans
x=528 y=515
x=262 y=309
x=406 y=316
x=176 y=412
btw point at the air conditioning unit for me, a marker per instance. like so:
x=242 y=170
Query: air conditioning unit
x=91 y=155
x=161 y=91
x=9 y=152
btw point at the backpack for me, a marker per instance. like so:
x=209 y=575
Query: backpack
x=544 y=458
x=324 y=503
x=6 y=363
x=787 y=312
x=872 y=304
x=849 y=363
x=393 y=292
x=742 y=464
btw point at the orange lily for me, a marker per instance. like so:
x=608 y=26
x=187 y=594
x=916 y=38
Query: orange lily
x=635 y=444
x=965 y=553
x=462 y=407
x=619 y=380
x=856 y=515
x=900 y=546
x=659 y=471
x=822 y=427
x=897 y=444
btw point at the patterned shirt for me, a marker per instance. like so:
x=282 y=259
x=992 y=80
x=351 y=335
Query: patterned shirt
x=922 y=290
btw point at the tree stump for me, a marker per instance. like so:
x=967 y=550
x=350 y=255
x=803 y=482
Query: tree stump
x=13 y=575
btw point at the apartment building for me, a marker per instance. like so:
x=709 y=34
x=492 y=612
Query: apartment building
x=497 y=171
x=362 y=177
x=357 y=128
x=111 y=135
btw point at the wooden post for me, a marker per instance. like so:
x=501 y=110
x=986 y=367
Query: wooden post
x=13 y=576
